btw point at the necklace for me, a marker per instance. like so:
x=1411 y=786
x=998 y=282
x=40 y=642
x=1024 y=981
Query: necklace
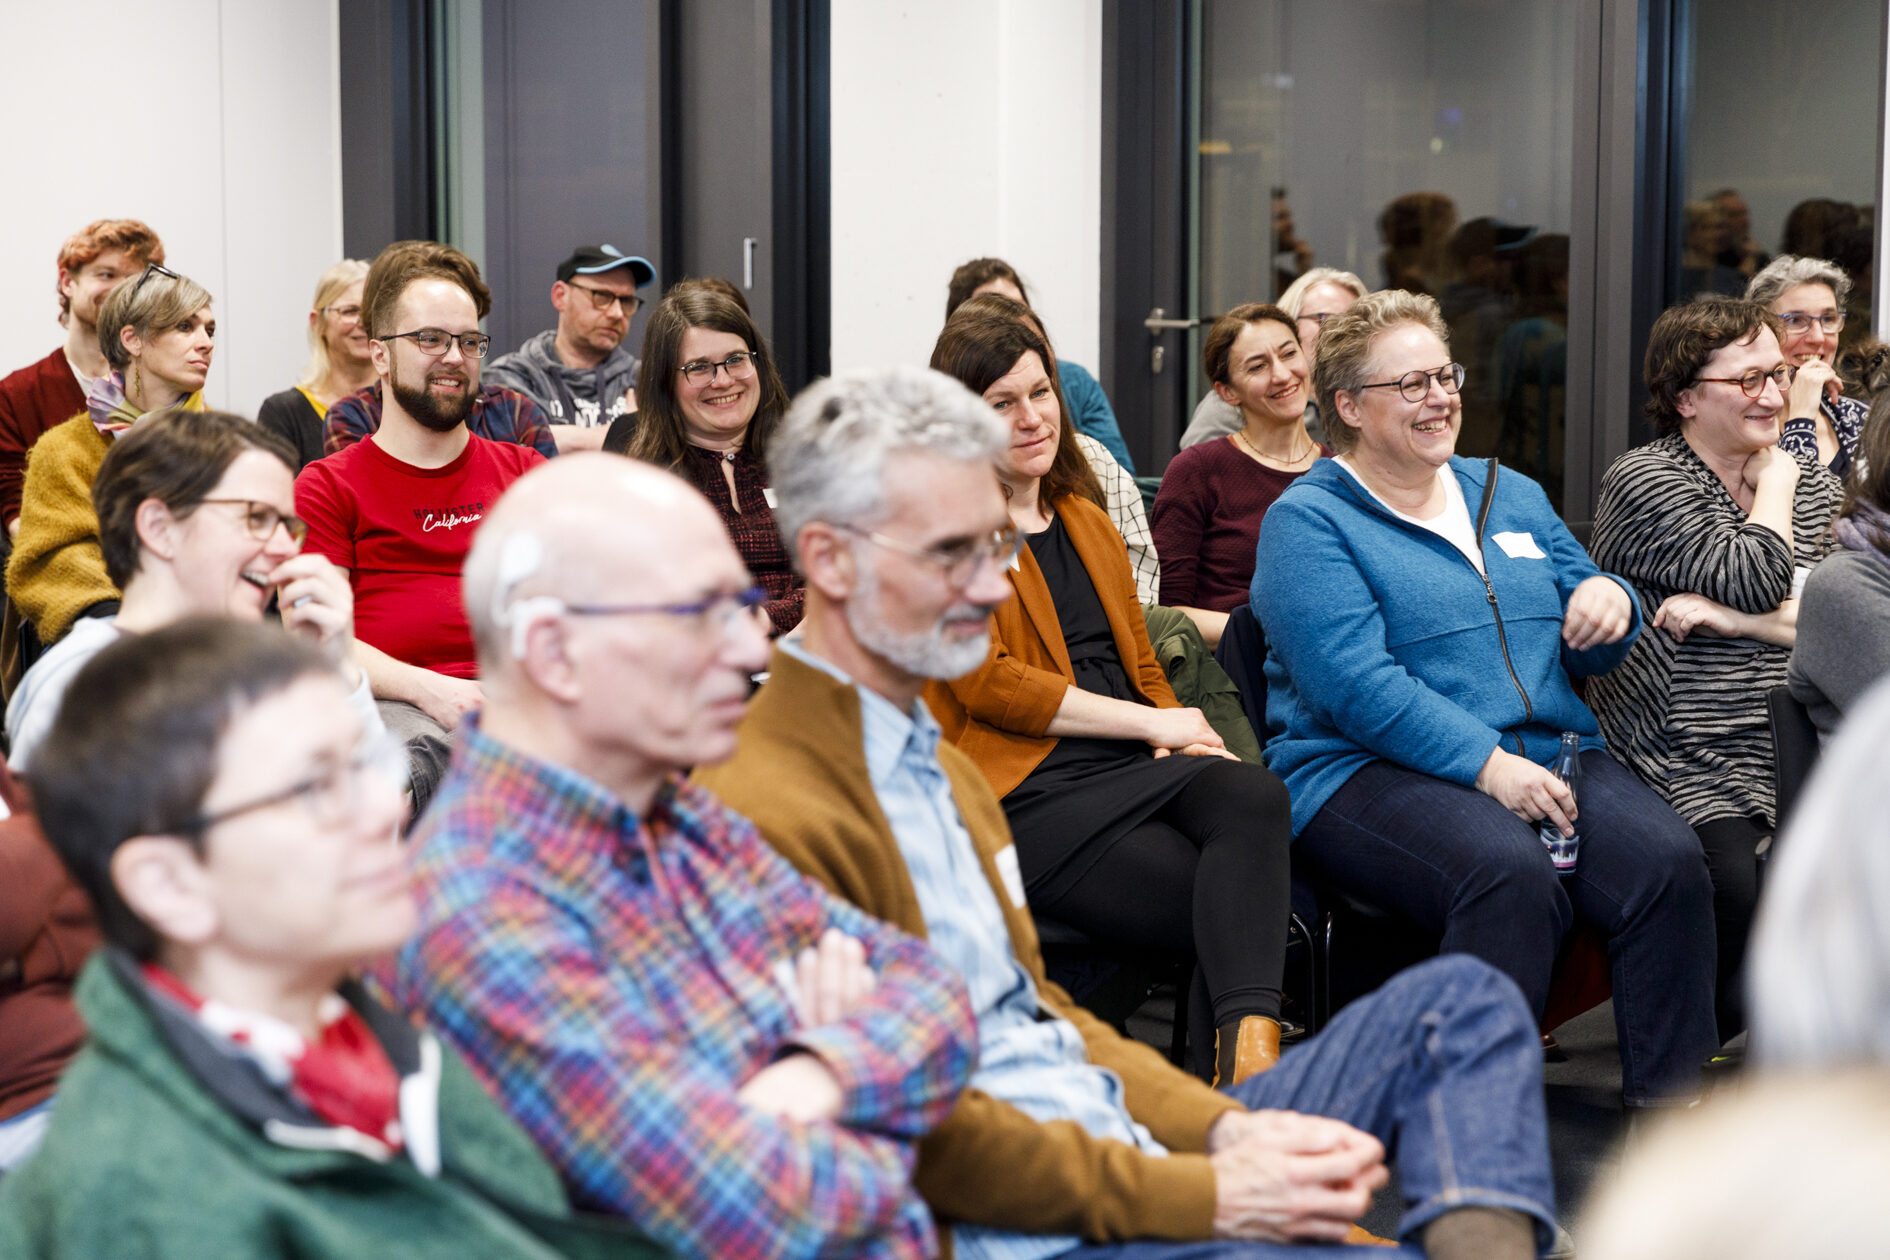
x=1240 y=436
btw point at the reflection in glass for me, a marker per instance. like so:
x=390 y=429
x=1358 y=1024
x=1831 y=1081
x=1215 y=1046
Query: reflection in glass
x=1426 y=147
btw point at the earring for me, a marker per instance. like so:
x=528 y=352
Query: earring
x=137 y=382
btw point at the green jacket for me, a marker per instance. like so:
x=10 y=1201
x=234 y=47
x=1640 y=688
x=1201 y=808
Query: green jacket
x=164 y=1145
x=1199 y=681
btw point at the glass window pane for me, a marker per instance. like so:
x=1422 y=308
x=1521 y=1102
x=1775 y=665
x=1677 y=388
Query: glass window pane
x=1778 y=144
x=1423 y=146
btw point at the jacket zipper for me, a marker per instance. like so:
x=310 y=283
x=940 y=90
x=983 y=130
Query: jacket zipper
x=1502 y=638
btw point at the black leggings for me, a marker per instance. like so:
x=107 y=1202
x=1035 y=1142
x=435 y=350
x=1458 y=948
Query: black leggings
x=1206 y=871
x=1731 y=846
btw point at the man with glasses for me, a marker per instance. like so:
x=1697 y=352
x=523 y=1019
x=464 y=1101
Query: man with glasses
x=397 y=511
x=579 y=372
x=491 y=411
x=1072 y=1138
x=211 y=788
x=698 y=1037
x=34 y=399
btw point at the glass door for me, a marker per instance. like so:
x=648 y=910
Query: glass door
x=1426 y=146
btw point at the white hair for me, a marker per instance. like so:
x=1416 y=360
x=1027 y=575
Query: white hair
x=828 y=458
x=1819 y=969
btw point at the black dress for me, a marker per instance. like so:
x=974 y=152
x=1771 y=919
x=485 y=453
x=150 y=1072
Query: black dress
x=1087 y=793
x=293 y=417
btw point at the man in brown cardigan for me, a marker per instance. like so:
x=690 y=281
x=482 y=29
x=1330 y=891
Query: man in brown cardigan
x=1070 y=1135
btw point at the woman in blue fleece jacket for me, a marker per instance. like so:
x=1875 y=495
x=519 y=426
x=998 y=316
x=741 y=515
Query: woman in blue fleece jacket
x=1425 y=614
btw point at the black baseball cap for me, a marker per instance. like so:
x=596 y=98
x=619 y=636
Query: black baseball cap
x=589 y=260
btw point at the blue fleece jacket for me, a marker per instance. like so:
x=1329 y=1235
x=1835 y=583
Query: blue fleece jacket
x=1384 y=644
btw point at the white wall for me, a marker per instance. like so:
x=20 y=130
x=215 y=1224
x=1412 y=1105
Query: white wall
x=961 y=130
x=215 y=121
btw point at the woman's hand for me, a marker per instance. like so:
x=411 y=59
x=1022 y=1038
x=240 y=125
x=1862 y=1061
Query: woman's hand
x=1816 y=381
x=1197 y=750
x=1681 y=615
x=1769 y=464
x=1598 y=612
x=1171 y=730
x=315 y=600
x=1527 y=790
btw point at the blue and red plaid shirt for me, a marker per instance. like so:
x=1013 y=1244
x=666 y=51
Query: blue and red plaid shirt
x=498 y=415
x=613 y=980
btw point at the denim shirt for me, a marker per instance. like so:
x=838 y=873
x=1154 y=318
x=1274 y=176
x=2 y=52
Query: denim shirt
x=1035 y=1062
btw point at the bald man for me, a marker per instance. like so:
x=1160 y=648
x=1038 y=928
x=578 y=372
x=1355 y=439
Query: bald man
x=700 y=1039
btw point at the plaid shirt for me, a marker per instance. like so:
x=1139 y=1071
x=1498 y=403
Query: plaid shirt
x=1123 y=500
x=752 y=529
x=498 y=414
x=613 y=980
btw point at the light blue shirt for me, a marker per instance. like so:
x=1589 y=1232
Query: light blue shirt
x=1027 y=1057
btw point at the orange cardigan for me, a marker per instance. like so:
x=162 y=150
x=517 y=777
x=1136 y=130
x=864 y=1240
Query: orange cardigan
x=997 y=714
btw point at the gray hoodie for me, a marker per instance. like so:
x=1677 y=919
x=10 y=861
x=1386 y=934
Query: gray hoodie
x=568 y=395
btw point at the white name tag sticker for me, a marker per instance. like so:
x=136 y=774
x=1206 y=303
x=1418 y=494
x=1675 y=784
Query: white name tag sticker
x=1011 y=874
x=767 y=493
x=1519 y=546
x=1798 y=581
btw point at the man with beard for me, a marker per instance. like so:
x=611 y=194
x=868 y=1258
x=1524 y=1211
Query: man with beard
x=1070 y=1137
x=397 y=510
x=579 y=373
x=92 y=262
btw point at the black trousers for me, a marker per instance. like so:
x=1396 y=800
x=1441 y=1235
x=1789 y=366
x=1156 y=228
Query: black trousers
x=1731 y=846
x=1207 y=871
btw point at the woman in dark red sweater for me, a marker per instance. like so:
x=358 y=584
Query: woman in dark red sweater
x=1214 y=494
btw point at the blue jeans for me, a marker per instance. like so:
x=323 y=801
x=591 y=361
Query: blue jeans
x=1458 y=864
x=1444 y=1066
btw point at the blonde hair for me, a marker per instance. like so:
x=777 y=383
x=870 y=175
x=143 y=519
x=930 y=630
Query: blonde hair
x=145 y=304
x=334 y=282
x=1344 y=361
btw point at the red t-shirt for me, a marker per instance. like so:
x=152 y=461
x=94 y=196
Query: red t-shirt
x=403 y=533
x=32 y=401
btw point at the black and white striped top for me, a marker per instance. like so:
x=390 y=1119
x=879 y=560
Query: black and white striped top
x=1690 y=718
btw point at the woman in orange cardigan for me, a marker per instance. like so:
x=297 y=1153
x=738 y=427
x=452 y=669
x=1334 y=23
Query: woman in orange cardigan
x=1132 y=822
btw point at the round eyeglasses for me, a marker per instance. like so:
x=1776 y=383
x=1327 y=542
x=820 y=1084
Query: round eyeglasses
x=1797 y=323
x=739 y=366
x=261 y=519
x=1416 y=383
x=604 y=299
x=332 y=797
x=1752 y=383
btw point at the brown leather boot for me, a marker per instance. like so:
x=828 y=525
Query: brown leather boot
x=1359 y=1236
x=1245 y=1049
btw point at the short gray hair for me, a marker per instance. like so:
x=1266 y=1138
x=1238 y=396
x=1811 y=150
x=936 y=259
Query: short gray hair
x=1295 y=295
x=1820 y=960
x=829 y=456
x=1788 y=271
x=1344 y=362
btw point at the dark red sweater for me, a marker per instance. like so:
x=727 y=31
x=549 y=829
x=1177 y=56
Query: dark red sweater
x=1207 y=523
x=32 y=400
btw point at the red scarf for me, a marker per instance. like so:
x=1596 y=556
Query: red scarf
x=345 y=1078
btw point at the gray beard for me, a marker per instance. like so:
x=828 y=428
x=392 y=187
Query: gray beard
x=923 y=654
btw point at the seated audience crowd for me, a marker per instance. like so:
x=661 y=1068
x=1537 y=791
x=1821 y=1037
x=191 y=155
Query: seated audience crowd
x=582 y=802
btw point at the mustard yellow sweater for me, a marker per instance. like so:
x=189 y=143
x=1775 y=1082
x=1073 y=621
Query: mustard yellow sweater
x=57 y=570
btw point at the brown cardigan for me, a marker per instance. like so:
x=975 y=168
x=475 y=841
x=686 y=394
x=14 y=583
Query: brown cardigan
x=800 y=774
x=997 y=714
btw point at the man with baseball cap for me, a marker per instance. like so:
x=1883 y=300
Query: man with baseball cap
x=579 y=372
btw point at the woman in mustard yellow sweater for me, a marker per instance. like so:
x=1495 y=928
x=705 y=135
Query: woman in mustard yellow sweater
x=157 y=333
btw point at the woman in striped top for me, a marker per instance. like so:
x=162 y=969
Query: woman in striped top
x=1715 y=524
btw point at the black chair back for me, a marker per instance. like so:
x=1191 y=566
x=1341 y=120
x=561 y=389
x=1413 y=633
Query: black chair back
x=1794 y=748
x=1242 y=652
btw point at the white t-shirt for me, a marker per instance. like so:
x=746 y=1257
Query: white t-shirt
x=1453 y=524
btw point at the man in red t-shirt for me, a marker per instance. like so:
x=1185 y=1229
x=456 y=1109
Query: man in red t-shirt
x=397 y=510
x=52 y=391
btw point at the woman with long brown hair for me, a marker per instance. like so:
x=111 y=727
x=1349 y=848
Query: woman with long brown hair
x=708 y=401
x=1072 y=721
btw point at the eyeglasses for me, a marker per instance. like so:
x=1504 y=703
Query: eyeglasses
x=434 y=341
x=721 y=612
x=739 y=366
x=1320 y=317
x=1416 y=383
x=152 y=269
x=260 y=519
x=959 y=560
x=1797 y=322
x=1752 y=383
x=333 y=797
x=343 y=312
x=602 y=299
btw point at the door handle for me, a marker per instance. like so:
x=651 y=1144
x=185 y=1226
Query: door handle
x=749 y=245
x=1157 y=322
